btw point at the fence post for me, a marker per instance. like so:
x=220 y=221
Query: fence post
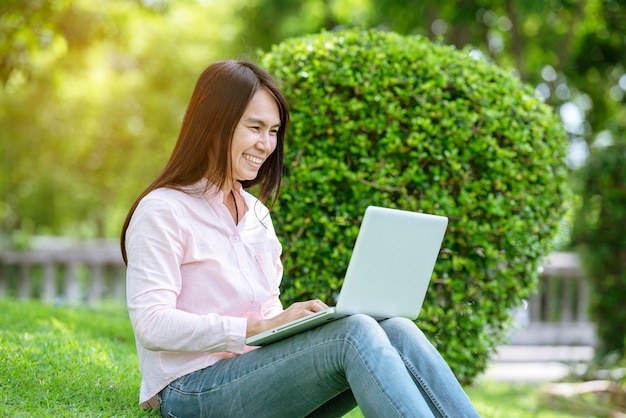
x=49 y=285
x=25 y=284
x=97 y=282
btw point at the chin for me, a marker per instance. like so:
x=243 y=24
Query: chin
x=251 y=176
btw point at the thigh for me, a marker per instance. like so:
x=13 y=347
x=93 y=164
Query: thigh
x=289 y=378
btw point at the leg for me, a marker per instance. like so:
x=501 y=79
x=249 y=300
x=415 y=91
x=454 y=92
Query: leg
x=336 y=407
x=296 y=376
x=429 y=370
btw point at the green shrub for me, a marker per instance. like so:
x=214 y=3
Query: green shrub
x=383 y=119
x=600 y=236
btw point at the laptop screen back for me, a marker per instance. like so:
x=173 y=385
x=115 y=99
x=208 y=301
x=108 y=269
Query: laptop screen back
x=392 y=263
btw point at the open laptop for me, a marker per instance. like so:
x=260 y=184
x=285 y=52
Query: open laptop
x=388 y=274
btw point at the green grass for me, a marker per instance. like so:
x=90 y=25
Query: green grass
x=512 y=400
x=506 y=400
x=81 y=362
x=67 y=362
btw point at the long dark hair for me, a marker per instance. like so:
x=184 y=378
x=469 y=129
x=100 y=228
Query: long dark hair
x=202 y=150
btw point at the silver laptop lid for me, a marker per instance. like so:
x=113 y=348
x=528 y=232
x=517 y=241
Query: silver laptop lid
x=392 y=262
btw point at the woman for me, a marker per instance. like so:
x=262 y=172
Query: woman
x=204 y=271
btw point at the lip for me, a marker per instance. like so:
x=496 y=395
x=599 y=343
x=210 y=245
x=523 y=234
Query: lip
x=253 y=159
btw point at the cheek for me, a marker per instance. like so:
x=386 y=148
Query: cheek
x=236 y=151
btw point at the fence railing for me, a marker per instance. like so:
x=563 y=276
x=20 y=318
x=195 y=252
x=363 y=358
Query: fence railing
x=70 y=272
x=66 y=271
x=557 y=313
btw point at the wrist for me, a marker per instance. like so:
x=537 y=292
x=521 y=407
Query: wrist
x=255 y=326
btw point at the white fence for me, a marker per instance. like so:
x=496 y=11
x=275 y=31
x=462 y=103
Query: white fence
x=557 y=312
x=62 y=271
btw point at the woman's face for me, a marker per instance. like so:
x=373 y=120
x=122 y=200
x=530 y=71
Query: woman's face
x=255 y=136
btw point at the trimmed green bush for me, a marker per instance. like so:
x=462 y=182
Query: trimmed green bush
x=397 y=121
x=600 y=235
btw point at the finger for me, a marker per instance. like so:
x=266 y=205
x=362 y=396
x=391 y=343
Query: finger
x=322 y=304
x=316 y=305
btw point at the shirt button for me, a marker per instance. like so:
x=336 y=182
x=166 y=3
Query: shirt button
x=245 y=272
x=235 y=238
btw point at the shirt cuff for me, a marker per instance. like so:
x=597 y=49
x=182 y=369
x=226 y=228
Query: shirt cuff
x=237 y=335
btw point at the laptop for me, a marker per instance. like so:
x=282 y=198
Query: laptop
x=388 y=273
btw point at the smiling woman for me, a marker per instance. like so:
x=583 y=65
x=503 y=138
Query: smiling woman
x=204 y=271
x=254 y=140
x=255 y=136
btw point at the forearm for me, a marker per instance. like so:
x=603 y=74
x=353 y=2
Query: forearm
x=169 y=329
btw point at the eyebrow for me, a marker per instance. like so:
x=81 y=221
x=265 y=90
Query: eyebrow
x=260 y=122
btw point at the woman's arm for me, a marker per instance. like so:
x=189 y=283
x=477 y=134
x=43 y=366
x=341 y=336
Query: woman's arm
x=155 y=243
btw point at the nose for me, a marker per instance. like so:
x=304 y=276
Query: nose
x=265 y=141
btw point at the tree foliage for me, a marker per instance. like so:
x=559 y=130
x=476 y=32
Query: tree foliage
x=90 y=104
x=382 y=119
x=87 y=78
x=571 y=50
x=600 y=237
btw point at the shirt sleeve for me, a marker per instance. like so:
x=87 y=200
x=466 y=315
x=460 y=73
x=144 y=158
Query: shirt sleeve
x=155 y=242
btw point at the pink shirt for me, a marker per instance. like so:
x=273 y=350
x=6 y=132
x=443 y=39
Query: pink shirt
x=194 y=277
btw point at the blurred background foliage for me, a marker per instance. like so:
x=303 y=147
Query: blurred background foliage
x=92 y=93
x=91 y=100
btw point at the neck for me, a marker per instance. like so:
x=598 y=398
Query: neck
x=234 y=201
x=232 y=185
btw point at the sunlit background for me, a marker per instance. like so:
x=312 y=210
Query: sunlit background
x=92 y=93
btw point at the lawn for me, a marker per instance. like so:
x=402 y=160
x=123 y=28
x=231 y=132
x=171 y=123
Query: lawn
x=81 y=362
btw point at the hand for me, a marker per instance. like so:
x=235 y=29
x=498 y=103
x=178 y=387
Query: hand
x=293 y=312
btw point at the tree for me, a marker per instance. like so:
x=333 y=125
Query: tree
x=91 y=101
x=569 y=49
x=381 y=119
x=601 y=239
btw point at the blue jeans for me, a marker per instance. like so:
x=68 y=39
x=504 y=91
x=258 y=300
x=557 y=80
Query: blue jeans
x=388 y=368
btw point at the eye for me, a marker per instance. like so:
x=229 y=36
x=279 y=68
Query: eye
x=255 y=128
x=274 y=131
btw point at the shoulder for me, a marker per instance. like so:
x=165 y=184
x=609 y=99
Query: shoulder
x=167 y=196
x=168 y=202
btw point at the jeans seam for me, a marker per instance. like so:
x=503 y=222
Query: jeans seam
x=395 y=407
x=251 y=372
x=424 y=386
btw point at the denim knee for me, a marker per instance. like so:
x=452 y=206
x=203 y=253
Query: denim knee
x=399 y=322
x=406 y=336
x=363 y=331
x=404 y=326
x=362 y=324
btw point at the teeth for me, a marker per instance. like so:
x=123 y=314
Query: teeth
x=253 y=159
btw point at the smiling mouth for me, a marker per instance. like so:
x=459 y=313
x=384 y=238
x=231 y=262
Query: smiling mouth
x=253 y=159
